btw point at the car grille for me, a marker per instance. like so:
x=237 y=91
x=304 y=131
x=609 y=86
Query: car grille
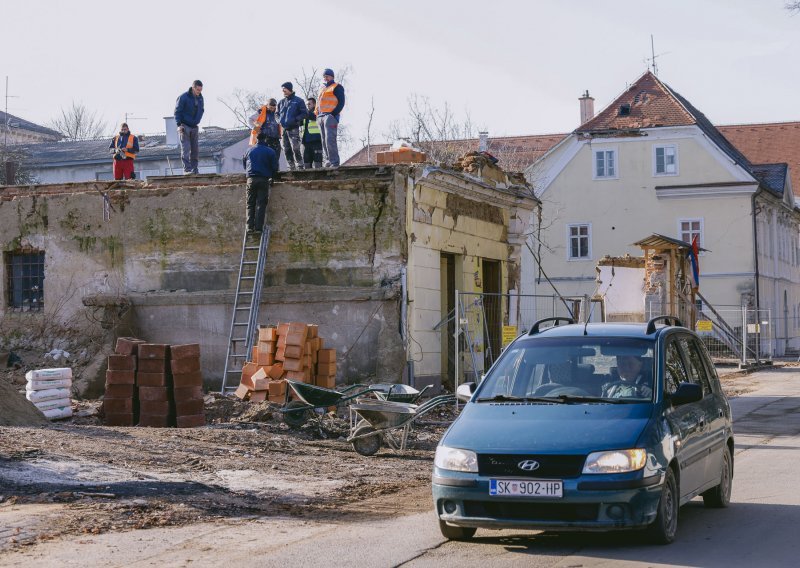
x=550 y=466
x=532 y=511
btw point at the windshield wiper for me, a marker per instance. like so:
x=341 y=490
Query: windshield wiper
x=502 y=398
x=573 y=398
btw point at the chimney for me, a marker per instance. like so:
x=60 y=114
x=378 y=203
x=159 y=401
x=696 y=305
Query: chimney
x=172 y=131
x=483 y=141
x=587 y=107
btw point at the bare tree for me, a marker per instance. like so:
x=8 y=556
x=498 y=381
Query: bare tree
x=310 y=81
x=14 y=169
x=366 y=141
x=243 y=104
x=793 y=6
x=79 y=123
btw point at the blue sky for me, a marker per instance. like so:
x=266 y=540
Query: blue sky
x=515 y=67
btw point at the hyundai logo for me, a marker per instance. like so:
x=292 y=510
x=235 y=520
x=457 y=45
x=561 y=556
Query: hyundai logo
x=528 y=465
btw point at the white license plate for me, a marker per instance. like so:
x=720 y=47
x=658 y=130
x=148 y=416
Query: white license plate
x=526 y=488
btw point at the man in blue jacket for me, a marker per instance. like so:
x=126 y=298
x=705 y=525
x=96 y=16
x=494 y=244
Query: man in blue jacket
x=291 y=112
x=188 y=112
x=330 y=103
x=261 y=164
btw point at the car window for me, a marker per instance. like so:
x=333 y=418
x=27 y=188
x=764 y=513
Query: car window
x=614 y=367
x=674 y=370
x=697 y=371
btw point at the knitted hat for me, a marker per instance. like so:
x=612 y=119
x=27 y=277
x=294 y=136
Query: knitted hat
x=288 y=86
x=328 y=72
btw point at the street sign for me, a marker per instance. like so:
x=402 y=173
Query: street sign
x=704 y=325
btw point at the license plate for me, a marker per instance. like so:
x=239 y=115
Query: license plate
x=526 y=488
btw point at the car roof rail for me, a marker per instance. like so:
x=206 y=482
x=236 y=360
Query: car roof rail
x=668 y=320
x=535 y=329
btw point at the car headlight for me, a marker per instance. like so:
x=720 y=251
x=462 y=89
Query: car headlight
x=617 y=461
x=455 y=459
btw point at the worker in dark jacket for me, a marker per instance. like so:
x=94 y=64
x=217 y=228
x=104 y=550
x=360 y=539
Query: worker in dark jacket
x=312 y=140
x=329 y=106
x=291 y=112
x=261 y=164
x=266 y=121
x=188 y=112
x=124 y=148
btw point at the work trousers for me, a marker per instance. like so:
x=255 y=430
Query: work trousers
x=312 y=154
x=275 y=144
x=291 y=148
x=123 y=169
x=257 y=199
x=189 y=148
x=329 y=128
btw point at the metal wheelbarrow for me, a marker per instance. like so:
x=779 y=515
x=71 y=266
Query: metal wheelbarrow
x=378 y=420
x=309 y=398
x=398 y=393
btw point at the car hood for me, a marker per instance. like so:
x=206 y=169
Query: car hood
x=547 y=428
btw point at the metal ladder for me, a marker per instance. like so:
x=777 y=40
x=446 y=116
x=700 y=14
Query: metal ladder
x=244 y=322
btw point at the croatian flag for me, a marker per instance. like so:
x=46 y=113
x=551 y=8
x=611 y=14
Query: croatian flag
x=694 y=256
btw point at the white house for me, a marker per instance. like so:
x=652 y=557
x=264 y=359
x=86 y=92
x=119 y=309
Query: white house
x=649 y=163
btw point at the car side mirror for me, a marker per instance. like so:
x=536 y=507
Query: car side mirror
x=464 y=392
x=686 y=393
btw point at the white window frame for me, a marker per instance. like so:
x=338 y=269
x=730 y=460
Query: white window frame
x=588 y=226
x=615 y=152
x=702 y=231
x=655 y=161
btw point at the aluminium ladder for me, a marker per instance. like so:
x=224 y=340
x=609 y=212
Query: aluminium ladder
x=244 y=322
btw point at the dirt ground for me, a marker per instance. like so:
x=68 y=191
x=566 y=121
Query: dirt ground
x=80 y=478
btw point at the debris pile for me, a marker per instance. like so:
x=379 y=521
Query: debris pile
x=49 y=391
x=15 y=410
x=154 y=384
x=289 y=351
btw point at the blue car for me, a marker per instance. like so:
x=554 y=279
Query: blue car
x=599 y=426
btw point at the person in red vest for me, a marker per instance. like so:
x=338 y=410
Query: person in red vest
x=329 y=105
x=124 y=148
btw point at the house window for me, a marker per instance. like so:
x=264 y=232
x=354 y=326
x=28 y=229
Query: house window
x=688 y=229
x=665 y=160
x=579 y=241
x=605 y=164
x=104 y=176
x=25 y=272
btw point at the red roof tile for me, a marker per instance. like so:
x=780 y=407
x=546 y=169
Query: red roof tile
x=775 y=142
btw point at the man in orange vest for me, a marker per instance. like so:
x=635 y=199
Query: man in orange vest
x=329 y=105
x=124 y=148
x=266 y=121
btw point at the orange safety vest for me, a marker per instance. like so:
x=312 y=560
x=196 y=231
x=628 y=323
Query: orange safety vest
x=262 y=118
x=128 y=146
x=327 y=101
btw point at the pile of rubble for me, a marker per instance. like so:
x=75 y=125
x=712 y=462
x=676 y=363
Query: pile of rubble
x=289 y=351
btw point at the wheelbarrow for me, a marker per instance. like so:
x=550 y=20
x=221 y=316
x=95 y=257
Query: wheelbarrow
x=309 y=398
x=387 y=422
x=398 y=393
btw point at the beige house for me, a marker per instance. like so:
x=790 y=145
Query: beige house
x=649 y=163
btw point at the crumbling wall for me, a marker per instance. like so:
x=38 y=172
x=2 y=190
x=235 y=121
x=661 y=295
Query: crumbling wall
x=172 y=246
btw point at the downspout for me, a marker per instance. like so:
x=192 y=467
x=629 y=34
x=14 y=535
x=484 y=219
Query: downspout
x=755 y=247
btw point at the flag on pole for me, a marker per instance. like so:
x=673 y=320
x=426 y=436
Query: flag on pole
x=694 y=257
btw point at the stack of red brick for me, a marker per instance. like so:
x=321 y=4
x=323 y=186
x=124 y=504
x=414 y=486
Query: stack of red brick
x=154 y=384
x=288 y=351
x=400 y=156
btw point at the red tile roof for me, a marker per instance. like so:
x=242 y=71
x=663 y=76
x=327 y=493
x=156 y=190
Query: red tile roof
x=515 y=153
x=769 y=143
x=648 y=103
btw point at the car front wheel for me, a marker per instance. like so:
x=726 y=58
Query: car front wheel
x=456 y=533
x=720 y=496
x=665 y=527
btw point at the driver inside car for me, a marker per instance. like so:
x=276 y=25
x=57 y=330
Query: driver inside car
x=634 y=379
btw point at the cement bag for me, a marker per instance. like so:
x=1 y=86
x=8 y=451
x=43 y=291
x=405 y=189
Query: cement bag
x=56 y=413
x=49 y=374
x=46 y=384
x=50 y=404
x=49 y=394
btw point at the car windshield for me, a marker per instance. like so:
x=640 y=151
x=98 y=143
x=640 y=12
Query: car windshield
x=573 y=370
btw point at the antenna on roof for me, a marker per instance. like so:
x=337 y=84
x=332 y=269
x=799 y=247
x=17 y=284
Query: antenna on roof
x=651 y=61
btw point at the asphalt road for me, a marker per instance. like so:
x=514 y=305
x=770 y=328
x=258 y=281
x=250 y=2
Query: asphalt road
x=759 y=529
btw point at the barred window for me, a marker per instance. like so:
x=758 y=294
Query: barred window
x=25 y=272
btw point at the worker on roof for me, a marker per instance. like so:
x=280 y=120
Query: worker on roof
x=188 y=112
x=291 y=112
x=124 y=148
x=312 y=140
x=266 y=121
x=329 y=106
x=261 y=163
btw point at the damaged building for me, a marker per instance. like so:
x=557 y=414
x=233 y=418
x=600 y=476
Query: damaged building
x=371 y=254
